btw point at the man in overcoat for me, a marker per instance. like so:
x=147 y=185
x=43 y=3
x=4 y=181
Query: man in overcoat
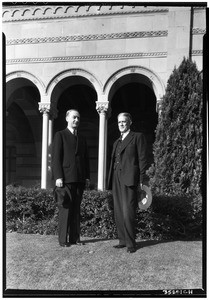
x=127 y=170
x=70 y=170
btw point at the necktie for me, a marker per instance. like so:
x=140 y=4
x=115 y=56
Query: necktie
x=76 y=140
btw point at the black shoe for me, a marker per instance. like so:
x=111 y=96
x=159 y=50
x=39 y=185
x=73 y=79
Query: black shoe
x=64 y=244
x=78 y=243
x=131 y=250
x=119 y=246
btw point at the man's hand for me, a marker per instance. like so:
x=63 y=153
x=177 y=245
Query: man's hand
x=146 y=182
x=59 y=182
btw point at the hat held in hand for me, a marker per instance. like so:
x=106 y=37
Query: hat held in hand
x=144 y=199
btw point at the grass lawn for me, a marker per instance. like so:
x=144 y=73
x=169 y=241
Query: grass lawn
x=37 y=262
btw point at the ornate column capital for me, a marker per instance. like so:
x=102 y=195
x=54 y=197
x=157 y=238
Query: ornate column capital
x=48 y=108
x=44 y=108
x=102 y=107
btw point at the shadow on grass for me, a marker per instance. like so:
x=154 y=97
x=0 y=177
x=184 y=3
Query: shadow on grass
x=96 y=240
x=144 y=244
x=141 y=244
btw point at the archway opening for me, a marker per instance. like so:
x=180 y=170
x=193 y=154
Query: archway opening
x=83 y=98
x=22 y=133
x=139 y=100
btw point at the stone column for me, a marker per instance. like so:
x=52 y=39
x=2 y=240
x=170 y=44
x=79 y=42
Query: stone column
x=52 y=116
x=45 y=109
x=102 y=108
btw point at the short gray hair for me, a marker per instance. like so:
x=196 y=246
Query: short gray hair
x=127 y=115
x=67 y=113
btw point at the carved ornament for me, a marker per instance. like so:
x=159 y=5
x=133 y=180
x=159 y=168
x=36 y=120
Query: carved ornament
x=44 y=107
x=89 y=37
x=86 y=57
x=102 y=107
x=15 y=13
x=197 y=52
x=198 y=31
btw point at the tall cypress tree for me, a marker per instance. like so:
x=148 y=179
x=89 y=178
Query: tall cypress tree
x=177 y=167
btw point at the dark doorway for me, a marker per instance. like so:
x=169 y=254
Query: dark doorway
x=22 y=133
x=83 y=98
x=139 y=100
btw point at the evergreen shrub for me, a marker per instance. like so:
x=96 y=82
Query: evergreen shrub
x=33 y=210
x=177 y=168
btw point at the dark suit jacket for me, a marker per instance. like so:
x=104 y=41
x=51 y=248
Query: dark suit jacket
x=70 y=159
x=133 y=158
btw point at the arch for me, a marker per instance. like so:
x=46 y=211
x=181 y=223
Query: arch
x=26 y=75
x=28 y=104
x=23 y=92
x=77 y=89
x=137 y=91
x=152 y=79
x=72 y=73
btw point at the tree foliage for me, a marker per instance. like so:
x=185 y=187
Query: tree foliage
x=177 y=167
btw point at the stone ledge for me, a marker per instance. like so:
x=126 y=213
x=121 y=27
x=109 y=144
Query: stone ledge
x=24 y=13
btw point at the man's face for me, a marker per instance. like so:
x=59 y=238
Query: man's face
x=73 y=119
x=123 y=123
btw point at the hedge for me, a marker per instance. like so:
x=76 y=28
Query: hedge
x=33 y=210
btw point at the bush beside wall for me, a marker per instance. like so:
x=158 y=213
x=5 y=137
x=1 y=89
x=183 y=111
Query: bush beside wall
x=178 y=147
x=33 y=210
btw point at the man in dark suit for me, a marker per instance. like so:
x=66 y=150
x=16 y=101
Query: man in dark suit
x=127 y=170
x=70 y=170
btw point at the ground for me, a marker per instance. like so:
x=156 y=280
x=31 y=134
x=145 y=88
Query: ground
x=37 y=262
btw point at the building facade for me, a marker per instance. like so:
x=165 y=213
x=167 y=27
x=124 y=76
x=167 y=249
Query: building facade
x=99 y=59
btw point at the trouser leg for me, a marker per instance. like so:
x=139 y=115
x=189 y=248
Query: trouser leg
x=125 y=204
x=129 y=214
x=63 y=225
x=64 y=207
x=118 y=207
x=76 y=190
x=80 y=190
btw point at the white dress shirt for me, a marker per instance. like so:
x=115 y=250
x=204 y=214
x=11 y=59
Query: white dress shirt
x=123 y=135
x=73 y=131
